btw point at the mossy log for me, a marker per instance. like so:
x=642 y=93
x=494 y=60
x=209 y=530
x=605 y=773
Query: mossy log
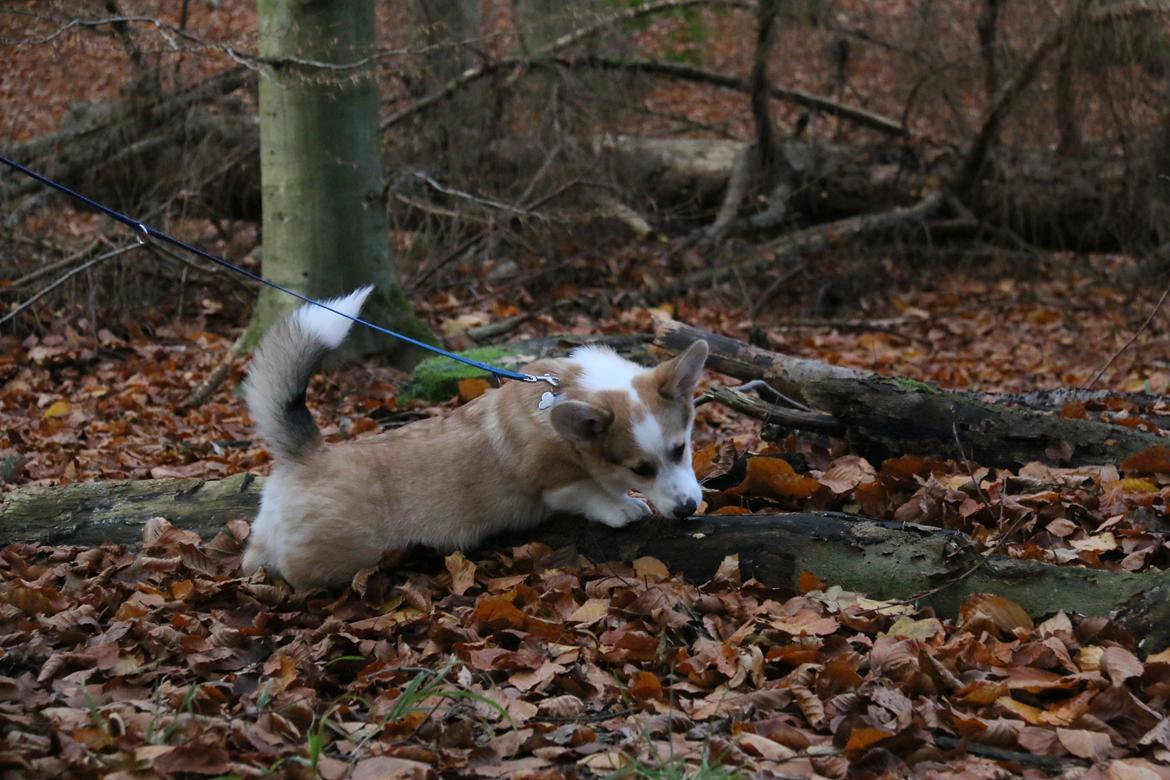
x=882 y=415
x=884 y=560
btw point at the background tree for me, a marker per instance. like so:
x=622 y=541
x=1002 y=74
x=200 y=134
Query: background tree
x=324 y=215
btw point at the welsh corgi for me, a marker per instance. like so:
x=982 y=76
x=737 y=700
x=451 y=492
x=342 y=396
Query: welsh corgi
x=507 y=460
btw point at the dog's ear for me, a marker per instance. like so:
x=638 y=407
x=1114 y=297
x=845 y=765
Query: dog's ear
x=678 y=378
x=580 y=422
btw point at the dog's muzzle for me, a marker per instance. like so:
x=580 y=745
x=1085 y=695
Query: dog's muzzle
x=685 y=509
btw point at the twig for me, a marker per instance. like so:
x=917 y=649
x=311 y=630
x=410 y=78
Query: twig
x=819 y=237
x=66 y=277
x=588 y=717
x=760 y=386
x=733 y=195
x=765 y=137
x=430 y=267
x=766 y=296
x=976 y=151
x=32 y=276
x=563 y=42
x=482 y=333
x=770 y=413
x=201 y=393
x=486 y=202
x=999 y=754
x=859 y=116
x=1157 y=307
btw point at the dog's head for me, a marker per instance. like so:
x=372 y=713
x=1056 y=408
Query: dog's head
x=632 y=425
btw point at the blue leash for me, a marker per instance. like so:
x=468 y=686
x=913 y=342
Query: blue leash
x=150 y=232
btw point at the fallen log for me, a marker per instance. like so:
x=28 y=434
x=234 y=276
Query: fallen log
x=883 y=415
x=937 y=569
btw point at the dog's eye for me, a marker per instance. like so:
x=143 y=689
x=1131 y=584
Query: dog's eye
x=644 y=469
x=677 y=453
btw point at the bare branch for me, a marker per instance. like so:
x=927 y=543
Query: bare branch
x=544 y=52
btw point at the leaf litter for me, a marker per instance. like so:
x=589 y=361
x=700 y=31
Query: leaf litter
x=161 y=661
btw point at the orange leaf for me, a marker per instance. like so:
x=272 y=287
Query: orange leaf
x=773 y=478
x=732 y=510
x=906 y=467
x=703 y=460
x=866 y=737
x=808 y=581
x=982 y=692
x=472 y=388
x=1155 y=459
x=182 y=589
x=646 y=686
x=362 y=425
x=498 y=613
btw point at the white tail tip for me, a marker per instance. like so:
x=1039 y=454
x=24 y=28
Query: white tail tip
x=327 y=326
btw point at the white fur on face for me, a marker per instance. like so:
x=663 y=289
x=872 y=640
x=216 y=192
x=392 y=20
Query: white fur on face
x=648 y=433
x=327 y=326
x=675 y=484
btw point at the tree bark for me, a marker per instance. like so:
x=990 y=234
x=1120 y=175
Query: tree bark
x=881 y=559
x=325 y=229
x=883 y=415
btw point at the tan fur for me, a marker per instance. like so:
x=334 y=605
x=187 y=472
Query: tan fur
x=496 y=463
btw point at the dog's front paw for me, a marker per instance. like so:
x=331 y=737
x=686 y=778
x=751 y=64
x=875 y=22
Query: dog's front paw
x=621 y=512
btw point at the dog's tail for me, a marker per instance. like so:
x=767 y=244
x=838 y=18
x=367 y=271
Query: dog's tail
x=285 y=359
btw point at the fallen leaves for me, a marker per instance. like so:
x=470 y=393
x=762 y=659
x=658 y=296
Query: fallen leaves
x=167 y=660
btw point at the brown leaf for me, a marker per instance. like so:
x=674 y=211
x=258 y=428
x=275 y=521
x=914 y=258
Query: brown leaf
x=846 y=474
x=729 y=569
x=566 y=706
x=498 y=613
x=755 y=745
x=651 y=568
x=1119 y=665
x=389 y=768
x=1083 y=743
x=1001 y=613
x=462 y=572
x=590 y=612
x=193 y=759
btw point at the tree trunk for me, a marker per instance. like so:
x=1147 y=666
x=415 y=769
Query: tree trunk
x=891 y=415
x=883 y=560
x=325 y=229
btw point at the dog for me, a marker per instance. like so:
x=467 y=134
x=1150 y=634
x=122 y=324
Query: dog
x=507 y=460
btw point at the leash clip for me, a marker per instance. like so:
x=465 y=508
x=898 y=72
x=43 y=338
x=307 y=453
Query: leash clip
x=143 y=239
x=546 y=378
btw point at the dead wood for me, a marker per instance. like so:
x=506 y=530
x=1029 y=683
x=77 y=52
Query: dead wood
x=975 y=154
x=883 y=560
x=859 y=116
x=882 y=415
x=819 y=238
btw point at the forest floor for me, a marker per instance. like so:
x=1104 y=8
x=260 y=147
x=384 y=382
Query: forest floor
x=163 y=661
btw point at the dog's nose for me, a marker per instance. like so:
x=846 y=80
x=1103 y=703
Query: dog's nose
x=686 y=508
